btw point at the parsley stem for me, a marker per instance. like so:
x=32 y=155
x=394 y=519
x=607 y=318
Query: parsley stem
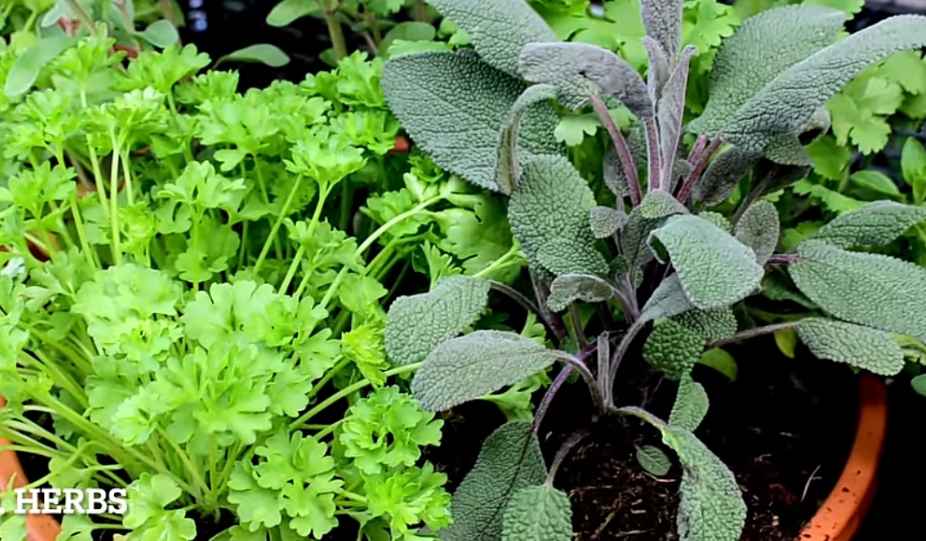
x=114 y=201
x=272 y=236
x=200 y=483
x=89 y=253
x=98 y=178
x=499 y=263
x=347 y=391
x=293 y=267
x=127 y=172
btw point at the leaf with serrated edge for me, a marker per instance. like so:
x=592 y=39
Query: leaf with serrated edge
x=453 y=106
x=549 y=217
x=787 y=103
x=510 y=460
x=579 y=70
x=759 y=229
x=861 y=347
x=763 y=47
x=472 y=366
x=568 y=288
x=538 y=513
x=691 y=405
x=869 y=289
x=714 y=268
x=499 y=29
x=874 y=224
x=420 y=322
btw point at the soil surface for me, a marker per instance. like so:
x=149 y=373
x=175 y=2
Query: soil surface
x=784 y=427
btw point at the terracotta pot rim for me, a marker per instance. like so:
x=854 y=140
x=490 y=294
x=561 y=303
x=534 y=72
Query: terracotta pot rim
x=841 y=514
x=838 y=519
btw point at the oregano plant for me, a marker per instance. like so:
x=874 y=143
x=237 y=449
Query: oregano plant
x=670 y=270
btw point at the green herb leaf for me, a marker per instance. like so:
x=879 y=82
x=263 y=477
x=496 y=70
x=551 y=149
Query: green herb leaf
x=466 y=368
x=714 y=268
x=26 y=68
x=538 y=513
x=509 y=461
x=263 y=53
x=160 y=33
x=759 y=229
x=288 y=11
x=867 y=289
x=499 y=28
x=568 y=288
x=420 y=322
x=691 y=405
x=549 y=216
x=654 y=460
x=874 y=224
x=861 y=347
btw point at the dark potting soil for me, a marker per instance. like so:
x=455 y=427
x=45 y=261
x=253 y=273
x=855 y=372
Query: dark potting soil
x=784 y=427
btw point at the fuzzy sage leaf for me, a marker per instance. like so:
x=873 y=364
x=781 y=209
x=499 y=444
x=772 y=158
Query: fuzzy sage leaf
x=431 y=91
x=714 y=268
x=759 y=229
x=472 y=366
x=874 y=224
x=861 y=347
x=568 y=288
x=691 y=405
x=606 y=221
x=579 y=70
x=869 y=289
x=420 y=322
x=499 y=29
x=663 y=22
x=549 y=216
x=510 y=460
x=538 y=513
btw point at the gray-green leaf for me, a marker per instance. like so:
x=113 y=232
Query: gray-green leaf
x=671 y=109
x=869 y=289
x=538 y=513
x=722 y=175
x=861 y=347
x=549 y=216
x=510 y=460
x=714 y=268
x=712 y=507
x=509 y=165
x=568 y=288
x=660 y=204
x=763 y=47
x=453 y=105
x=499 y=29
x=420 y=322
x=667 y=300
x=673 y=348
x=691 y=405
x=606 y=221
x=788 y=102
x=579 y=70
x=663 y=22
x=759 y=229
x=713 y=325
x=472 y=366
x=874 y=224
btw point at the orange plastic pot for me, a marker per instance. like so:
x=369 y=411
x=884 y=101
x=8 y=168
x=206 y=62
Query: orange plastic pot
x=841 y=514
x=38 y=527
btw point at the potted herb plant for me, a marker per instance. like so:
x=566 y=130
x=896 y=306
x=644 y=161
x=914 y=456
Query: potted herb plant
x=671 y=270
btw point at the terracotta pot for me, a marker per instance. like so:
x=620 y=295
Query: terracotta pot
x=38 y=527
x=841 y=514
x=838 y=519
